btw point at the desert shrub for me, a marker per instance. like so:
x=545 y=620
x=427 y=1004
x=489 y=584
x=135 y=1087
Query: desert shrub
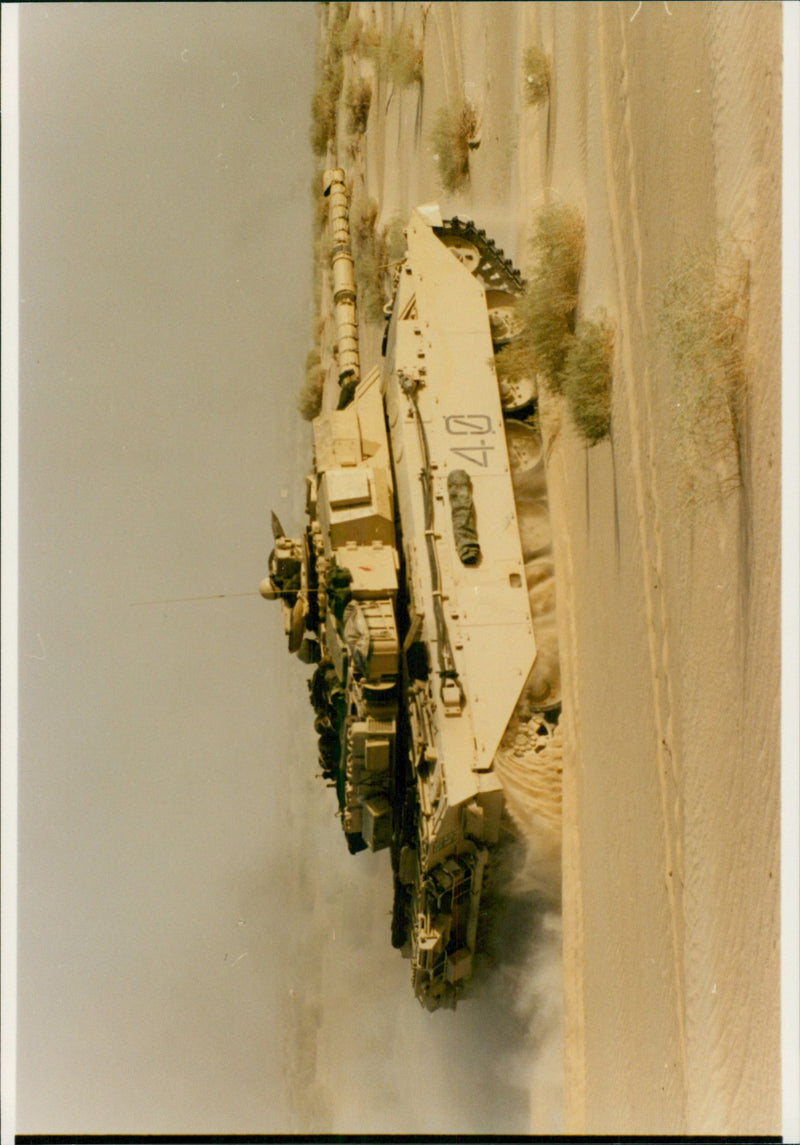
x=703 y=323
x=351 y=39
x=399 y=57
x=452 y=131
x=337 y=31
x=330 y=77
x=325 y=103
x=574 y=361
x=517 y=359
x=536 y=75
x=319 y=205
x=394 y=239
x=323 y=123
x=358 y=98
x=550 y=300
x=548 y=324
x=586 y=382
x=319 y=257
x=369 y=280
x=557 y=246
x=309 y=401
x=369 y=260
x=362 y=221
x=548 y=304
x=360 y=39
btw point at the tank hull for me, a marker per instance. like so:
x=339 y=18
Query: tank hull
x=414 y=588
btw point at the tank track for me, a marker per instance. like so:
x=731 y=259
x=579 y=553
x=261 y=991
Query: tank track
x=495 y=270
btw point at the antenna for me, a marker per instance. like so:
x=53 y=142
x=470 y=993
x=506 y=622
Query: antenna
x=186 y=599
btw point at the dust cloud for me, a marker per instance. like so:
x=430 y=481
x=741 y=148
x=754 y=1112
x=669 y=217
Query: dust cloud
x=362 y=1056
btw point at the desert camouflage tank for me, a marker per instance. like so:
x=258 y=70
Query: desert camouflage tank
x=422 y=581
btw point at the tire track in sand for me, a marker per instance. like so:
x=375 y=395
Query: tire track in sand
x=649 y=514
x=572 y=910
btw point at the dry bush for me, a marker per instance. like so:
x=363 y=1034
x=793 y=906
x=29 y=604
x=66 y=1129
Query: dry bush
x=574 y=361
x=362 y=221
x=369 y=260
x=517 y=359
x=451 y=135
x=703 y=323
x=399 y=58
x=358 y=98
x=325 y=104
x=586 y=383
x=309 y=401
x=558 y=245
x=536 y=76
x=319 y=259
x=369 y=282
x=319 y=205
x=330 y=77
x=548 y=325
x=337 y=30
x=361 y=40
x=394 y=239
x=550 y=300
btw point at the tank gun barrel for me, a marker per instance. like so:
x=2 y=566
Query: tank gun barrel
x=344 y=286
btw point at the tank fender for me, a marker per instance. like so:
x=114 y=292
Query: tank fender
x=430 y=213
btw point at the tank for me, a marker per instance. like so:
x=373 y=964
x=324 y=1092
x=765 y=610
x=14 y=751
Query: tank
x=421 y=583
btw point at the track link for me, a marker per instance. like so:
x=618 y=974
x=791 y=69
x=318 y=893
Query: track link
x=493 y=269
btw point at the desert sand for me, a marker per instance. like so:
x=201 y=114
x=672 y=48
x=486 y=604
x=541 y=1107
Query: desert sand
x=663 y=127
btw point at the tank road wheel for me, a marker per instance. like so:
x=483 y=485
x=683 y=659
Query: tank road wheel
x=464 y=250
x=525 y=454
x=505 y=320
x=540 y=578
x=535 y=532
x=517 y=394
x=542 y=690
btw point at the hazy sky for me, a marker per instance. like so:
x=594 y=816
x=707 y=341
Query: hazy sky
x=197 y=950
